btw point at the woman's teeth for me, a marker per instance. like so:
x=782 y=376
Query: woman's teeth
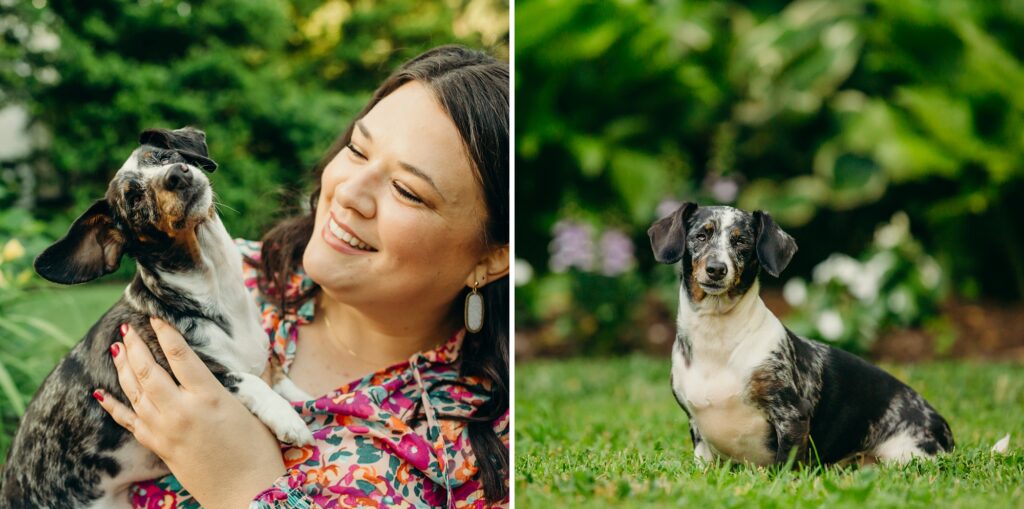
x=346 y=237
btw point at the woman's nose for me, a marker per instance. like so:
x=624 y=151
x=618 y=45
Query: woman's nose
x=358 y=191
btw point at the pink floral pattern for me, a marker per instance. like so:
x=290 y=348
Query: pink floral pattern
x=371 y=449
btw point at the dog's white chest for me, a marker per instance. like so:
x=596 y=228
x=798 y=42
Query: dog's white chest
x=713 y=383
x=725 y=419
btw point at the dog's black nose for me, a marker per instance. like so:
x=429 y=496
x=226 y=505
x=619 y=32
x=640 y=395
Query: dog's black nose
x=716 y=270
x=178 y=177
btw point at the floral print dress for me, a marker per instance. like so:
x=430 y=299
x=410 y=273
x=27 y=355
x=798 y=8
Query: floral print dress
x=373 y=448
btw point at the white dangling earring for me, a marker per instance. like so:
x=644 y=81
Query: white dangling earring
x=474 y=314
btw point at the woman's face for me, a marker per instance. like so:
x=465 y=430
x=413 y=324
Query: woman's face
x=400 y=216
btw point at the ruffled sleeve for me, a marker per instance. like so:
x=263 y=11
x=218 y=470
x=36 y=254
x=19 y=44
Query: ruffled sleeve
x=286 y=493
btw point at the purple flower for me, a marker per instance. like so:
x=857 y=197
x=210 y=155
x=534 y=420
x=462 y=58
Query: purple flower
x=572 y=246
x=667 y=206
x=616 y=253
x=725 y=190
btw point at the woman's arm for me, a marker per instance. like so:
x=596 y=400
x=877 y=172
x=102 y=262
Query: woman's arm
x=221 y=453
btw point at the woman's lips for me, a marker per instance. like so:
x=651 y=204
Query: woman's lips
x=334 y=240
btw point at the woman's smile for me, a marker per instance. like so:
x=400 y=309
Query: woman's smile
x=340 y=237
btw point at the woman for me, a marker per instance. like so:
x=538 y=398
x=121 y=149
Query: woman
x=363 y=299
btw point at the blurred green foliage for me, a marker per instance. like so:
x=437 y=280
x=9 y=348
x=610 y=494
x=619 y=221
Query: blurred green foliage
x=830 y=115
x=271 y=82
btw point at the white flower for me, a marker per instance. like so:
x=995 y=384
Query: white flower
x=890 y=235
x=524 y=272
x=830 y=325
x=931 y=273
x=899 y=301
x=866 y=284
x=795 y=291
x=837 y=266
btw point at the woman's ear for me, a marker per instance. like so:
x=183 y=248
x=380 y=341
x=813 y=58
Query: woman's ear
x=493 y=266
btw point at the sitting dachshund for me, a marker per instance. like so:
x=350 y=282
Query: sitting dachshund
x=755 y=392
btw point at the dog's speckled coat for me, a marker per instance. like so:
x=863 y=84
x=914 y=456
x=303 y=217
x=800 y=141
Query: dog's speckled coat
x=68 y=453
x=754 y=391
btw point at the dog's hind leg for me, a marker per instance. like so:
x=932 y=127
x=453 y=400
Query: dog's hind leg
x=899 y=448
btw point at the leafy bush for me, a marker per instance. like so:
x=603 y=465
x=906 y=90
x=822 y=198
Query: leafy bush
x=849 y=301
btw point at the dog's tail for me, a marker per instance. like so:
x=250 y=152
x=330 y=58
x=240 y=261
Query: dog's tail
x=1002 y=446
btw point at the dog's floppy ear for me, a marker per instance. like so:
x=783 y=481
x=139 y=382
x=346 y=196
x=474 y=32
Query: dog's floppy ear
x=91 y=248
x=187 y=141
x=668 y=234
x=775 y=248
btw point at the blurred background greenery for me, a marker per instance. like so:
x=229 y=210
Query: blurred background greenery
x=887 y=136
x=272 y=83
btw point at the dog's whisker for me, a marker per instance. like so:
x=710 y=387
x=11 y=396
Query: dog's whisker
x=221 y=205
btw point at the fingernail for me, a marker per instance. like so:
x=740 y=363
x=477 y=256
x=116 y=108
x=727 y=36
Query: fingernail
x=97 y=395
x=124 y=329
x=115 y=349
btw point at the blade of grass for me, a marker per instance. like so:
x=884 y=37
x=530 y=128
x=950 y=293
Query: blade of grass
x=17 y=330
x=11 y=390
x=54 y=331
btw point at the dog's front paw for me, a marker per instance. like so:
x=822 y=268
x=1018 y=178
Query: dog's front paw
x=702 y=454
x=273 y=410
x=290 y=428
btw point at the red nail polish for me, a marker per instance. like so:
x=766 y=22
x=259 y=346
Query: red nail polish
x=98 y=395
x=124 y=329
x=115 y=349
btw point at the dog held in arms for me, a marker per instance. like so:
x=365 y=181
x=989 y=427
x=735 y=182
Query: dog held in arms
x=158 y=210
x=754 y=391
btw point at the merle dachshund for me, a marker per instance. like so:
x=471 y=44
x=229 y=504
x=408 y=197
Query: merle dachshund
x=158 y=210
x=754 y=391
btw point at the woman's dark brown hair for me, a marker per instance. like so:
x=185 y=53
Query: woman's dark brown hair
x=473 y=89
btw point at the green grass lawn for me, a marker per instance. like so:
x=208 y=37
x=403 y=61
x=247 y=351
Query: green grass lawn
x=608 y=433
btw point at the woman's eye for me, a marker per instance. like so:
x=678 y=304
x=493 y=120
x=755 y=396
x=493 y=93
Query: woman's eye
x=406 y=194
x=356 y=151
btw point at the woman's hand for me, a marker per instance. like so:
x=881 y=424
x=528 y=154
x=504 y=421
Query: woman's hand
x=219 y=451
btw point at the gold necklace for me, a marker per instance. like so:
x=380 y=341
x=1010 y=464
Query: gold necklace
x=334 y=337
